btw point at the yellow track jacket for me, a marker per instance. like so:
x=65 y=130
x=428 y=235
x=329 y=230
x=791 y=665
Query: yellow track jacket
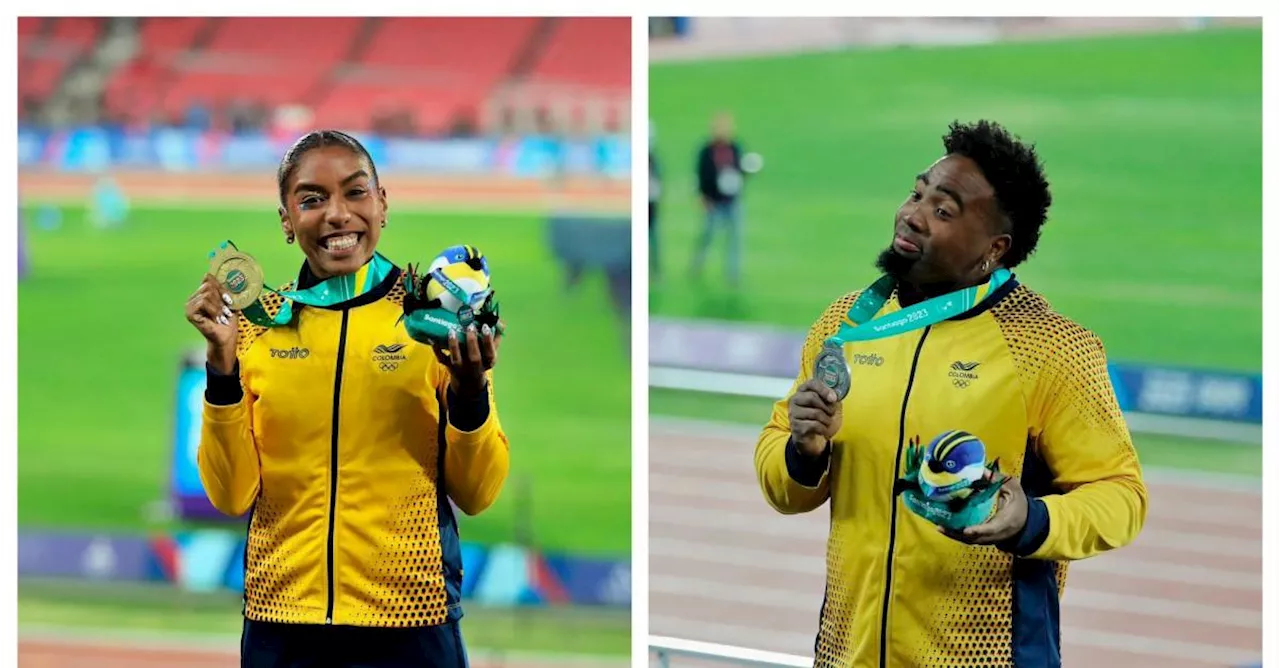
x=338 y=436
x=1035 y=388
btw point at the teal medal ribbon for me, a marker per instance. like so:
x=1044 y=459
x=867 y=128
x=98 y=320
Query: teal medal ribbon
x=327 y=293
x=860 y=324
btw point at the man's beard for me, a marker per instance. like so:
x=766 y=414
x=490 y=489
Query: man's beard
x=899 y=267
x=894 y=264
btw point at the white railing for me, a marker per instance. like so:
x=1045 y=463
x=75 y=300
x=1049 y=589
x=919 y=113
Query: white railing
x=664 y=649
x=766 y=387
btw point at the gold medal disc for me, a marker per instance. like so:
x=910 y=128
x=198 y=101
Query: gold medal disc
x=239 y=275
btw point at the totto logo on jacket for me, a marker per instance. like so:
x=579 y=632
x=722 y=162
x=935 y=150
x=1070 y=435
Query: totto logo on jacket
x=348 y=460
x=1033 y=386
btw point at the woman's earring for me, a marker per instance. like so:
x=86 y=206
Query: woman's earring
x=289 y=239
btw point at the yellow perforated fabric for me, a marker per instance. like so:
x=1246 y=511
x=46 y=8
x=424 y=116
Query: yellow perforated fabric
x=1062 y=367
x=396 y=295
x=839 y=608
x=1039 y=383
x=388 y=565
x=406 y=578
x=971 y=622
x=826 y=326
x=272 y=591
x=247 y=331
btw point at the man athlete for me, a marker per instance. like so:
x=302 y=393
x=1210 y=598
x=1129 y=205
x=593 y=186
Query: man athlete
x=1028 y=382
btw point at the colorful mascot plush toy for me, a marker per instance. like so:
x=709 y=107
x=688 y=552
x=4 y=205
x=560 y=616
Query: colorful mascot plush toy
x=949 y=483
x=453 y=293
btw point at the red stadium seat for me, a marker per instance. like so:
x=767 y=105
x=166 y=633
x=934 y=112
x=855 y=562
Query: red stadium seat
x=433 y=106
x=76 y=34
x=47 y=47
x=316 y=40
x=484 y=47
x=588 y=51
x=38 y=77
x=164 y=35
x=348 y=70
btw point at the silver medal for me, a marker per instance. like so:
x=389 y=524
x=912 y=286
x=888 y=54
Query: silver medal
x=831 y=369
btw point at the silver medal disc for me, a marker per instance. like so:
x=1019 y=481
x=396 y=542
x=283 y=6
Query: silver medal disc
x=830 y=369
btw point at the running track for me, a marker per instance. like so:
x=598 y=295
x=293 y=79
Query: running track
x=725 y=568
x=67 y=650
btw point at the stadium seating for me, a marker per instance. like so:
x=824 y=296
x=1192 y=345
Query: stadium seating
x=78 y=35
x=164 y=36
x=274 y=43
x=47 y=47
x=589 y=52
x=485 y=48
x=440 y=68
x=346 y=70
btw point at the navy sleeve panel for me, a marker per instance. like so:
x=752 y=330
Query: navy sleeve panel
x=222 y=389
x=1033 y=532
x=807 y=471
x=468 y=415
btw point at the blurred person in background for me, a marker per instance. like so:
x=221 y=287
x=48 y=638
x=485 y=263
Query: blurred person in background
x=958 y=344
x=655 y=195
x=346 y=438
x=720 y=182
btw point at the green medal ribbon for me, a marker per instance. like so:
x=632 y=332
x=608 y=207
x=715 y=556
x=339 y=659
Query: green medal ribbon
x=860 y=324
x=327 y=293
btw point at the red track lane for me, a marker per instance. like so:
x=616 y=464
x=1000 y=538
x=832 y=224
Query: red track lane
x=725 y=568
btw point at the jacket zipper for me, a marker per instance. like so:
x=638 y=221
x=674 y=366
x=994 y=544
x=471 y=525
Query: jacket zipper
x=333 y=459
x=893 y=504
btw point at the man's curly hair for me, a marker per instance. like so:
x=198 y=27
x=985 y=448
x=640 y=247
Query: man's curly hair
x=1015 y=173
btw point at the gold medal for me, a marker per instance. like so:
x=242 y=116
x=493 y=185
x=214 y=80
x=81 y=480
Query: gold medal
x=239 y=275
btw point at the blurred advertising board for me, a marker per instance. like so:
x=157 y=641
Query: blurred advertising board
x=763 y=361
x=179 y=150
x=213 y=560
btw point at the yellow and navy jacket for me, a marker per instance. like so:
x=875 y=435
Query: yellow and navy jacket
x=342 y=436
x=1034 y=387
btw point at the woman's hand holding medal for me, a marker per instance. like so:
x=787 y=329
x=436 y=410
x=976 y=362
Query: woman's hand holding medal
x=209 y=310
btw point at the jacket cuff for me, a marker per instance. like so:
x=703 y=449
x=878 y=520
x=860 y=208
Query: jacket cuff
x=1033 y=533
x=468 y=415
x=806 y=471
x=222 y=389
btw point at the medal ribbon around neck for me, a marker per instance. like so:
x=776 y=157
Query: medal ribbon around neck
x=860 y=324
x=328 y=292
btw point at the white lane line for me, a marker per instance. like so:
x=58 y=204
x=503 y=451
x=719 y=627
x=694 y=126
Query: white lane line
x=792 y=562
x=765 y=526
x=747 y=435
x=747 y=492
x=745 y=636
x=777 y=597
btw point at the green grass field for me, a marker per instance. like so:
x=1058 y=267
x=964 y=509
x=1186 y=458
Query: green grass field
x=81 y=606
x=101 y=328
x=1152 y=146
